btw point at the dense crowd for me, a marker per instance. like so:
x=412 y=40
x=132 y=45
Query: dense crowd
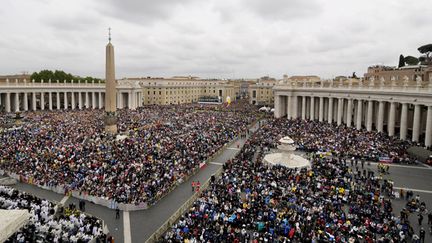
x=161 y=146
x=328 y=202
x=45 y=225
x=314 y=136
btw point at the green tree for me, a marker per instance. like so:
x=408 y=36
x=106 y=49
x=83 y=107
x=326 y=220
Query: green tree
x=60 y=75
x=401 y=61
x=410 y=60
x=35 y=76
x=426 y=50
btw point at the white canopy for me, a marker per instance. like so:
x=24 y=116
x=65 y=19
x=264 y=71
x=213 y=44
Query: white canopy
x=11 y=221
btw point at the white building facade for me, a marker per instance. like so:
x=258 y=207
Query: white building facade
x=31 y=96
x=402 y=109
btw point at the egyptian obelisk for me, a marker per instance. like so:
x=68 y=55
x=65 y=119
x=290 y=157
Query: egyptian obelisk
x=110 y=90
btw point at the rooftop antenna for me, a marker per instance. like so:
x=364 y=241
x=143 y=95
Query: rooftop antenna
x=109 y=34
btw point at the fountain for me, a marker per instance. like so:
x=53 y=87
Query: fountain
x=286 y=157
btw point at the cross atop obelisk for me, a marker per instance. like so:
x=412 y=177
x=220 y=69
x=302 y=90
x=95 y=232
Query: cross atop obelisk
x=110 y=89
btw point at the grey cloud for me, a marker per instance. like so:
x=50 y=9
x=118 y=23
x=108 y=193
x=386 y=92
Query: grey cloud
x=212 y=38
x=284 y=9
x=140 y=12
x=76 y=23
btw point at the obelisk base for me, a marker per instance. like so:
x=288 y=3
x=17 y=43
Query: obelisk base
x=110 y=123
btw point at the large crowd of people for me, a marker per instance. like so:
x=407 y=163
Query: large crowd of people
x=331 y=201
x=251 y=201
x=314 y=136
x=160 y=146
x=47 y=225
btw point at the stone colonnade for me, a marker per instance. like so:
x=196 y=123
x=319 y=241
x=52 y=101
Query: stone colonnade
x=15 y=97
x=407 y=118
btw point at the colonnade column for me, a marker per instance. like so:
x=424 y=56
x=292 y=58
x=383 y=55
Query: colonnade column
x=404 y=121
x=25 y=101
x=42 y=101
x=50 y=101
x=428 y=139
x=120 y=103
x=359 y=114
x=58 y=100
x=321 y=109
x=8 y=103
x=330 y=110
x=416 y=124
x=349 y=112
x=65 y=101
x=288 y=108
x=100 y=100
x=93 y=100
x=380 y=123
x=73 y=100
x=391 y=121
x=277 y=105
x=303 y=108
x=369 y=116
x=34 y=101
x=283 y=102
x=17 y=105
x=87 y=102
x=312 y=108
x=80 y=101
x=294 y=106
x=340 y=111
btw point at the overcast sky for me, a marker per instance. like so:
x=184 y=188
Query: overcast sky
x=211 y=38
